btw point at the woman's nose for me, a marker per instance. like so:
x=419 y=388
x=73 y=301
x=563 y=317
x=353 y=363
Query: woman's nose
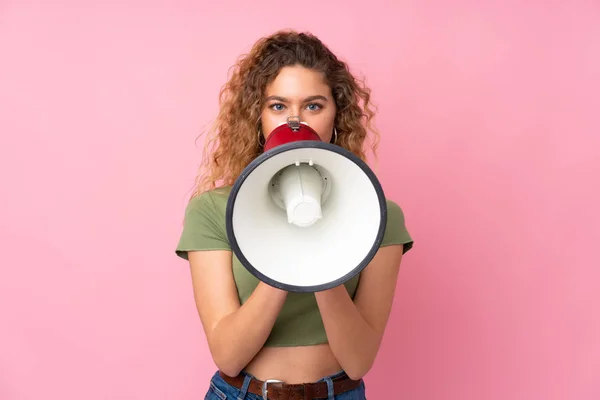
x=295 y=111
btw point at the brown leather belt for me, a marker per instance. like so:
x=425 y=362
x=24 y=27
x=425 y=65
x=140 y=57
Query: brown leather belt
x=275 y=390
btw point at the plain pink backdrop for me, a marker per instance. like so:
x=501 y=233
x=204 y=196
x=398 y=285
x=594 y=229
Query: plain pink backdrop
x=490 y=143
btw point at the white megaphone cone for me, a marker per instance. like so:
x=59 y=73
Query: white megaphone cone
x=305 y=215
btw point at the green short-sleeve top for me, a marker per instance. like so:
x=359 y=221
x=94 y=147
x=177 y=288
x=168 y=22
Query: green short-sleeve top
x=299 y=321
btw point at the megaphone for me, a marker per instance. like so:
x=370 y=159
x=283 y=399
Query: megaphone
x=305 y=215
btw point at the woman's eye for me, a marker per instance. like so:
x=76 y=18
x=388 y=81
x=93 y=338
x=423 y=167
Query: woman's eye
x=310 y=107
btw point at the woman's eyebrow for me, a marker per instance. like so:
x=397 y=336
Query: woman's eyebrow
x=284 y=100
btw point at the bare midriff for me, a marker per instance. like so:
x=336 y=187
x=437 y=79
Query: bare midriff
x=299 y=364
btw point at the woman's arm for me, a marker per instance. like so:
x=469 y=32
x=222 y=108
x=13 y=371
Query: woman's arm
x=235 y=334
x=355 y=329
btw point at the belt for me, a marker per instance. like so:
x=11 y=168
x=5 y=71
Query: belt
x=277 y=390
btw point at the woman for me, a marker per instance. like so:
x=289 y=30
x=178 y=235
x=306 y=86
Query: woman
x=315 y=345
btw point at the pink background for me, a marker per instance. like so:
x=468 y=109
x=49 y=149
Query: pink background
x=489 y=119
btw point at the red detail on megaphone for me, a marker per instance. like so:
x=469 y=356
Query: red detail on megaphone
x=285 y=134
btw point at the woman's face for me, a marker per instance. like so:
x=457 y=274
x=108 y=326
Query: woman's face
x=298 y=91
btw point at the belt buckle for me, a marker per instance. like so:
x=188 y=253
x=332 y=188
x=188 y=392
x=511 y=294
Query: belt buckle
x=265 y=388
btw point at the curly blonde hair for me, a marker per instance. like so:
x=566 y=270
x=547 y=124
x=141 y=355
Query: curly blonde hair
x=233 y=140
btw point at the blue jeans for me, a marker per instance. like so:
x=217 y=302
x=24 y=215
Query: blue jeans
x=221 y=390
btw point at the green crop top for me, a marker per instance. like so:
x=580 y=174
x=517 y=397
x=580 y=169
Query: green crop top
x=299 y=322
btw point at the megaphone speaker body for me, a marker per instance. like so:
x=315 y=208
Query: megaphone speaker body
x=305 y=215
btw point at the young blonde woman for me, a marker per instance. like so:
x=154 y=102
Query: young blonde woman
x=266 y=342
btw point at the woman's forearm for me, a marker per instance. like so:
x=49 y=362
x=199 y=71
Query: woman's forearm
x=353 y=341
x=238 y=337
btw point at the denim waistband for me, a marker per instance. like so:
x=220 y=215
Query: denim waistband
x=219 y=389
